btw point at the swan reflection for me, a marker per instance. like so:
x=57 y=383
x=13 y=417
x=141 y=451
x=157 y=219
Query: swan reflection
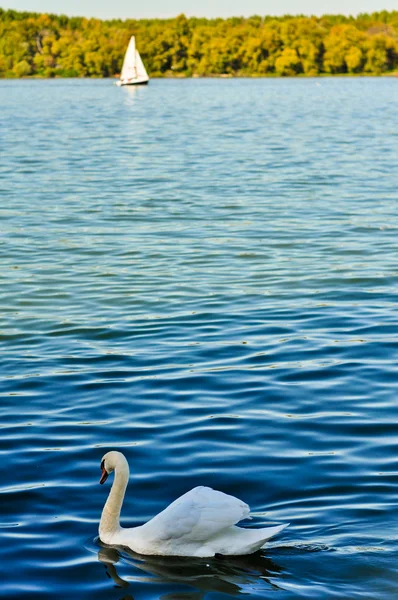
x=232 y=575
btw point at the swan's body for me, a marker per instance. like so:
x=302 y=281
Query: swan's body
x=200 y=523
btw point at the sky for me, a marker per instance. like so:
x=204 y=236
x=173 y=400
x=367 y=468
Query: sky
x=107 y=9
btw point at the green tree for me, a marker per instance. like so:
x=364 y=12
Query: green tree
x=22 y=68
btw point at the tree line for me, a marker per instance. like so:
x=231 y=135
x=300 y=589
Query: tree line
x=48 y=45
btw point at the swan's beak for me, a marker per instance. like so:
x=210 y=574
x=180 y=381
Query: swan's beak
x=104 y=476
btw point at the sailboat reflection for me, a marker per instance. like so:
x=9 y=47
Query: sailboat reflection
x=232 y=575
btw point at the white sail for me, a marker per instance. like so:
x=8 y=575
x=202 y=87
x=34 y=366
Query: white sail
x=129 y=69
x=141 y=71
x=133 y=70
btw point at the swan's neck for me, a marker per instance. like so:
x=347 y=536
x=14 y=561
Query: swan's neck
x=110 y=518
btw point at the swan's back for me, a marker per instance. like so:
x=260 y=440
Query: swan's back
x=197 y=516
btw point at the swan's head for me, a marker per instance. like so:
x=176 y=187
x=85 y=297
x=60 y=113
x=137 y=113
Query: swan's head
x=109 y=463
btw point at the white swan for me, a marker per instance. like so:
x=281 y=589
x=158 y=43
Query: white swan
x=200 y=523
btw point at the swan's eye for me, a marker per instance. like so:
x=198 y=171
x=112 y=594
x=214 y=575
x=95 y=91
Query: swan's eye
x=103 y=465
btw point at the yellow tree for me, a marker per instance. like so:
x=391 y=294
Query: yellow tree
x=380 y=53
x=288 y=63
x=344 y=49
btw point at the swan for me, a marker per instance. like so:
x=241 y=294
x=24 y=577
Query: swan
x=201 y=523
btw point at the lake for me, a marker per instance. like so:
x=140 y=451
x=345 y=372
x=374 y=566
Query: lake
x=203 y=275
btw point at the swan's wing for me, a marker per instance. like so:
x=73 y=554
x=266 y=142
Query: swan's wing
x=196 y=516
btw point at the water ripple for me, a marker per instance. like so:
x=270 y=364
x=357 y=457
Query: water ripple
x=202 y=274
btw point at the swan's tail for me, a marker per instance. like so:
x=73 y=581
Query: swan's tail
x=260 y=537
x=271 y=531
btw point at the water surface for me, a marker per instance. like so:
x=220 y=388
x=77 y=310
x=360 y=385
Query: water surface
x=203 y=275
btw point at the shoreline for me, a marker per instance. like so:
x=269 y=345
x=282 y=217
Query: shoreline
x=220 y=76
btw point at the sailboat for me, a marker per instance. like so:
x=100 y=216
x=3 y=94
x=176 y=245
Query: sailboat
x=133 y=70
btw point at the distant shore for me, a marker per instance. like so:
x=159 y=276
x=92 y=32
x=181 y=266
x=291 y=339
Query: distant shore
x=47 y=45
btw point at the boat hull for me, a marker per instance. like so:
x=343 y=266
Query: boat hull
x=122 y=83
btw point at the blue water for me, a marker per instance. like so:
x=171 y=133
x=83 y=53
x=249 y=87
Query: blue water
x=203 y=275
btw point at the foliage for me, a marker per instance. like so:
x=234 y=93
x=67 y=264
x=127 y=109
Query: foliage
x=47 y=45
